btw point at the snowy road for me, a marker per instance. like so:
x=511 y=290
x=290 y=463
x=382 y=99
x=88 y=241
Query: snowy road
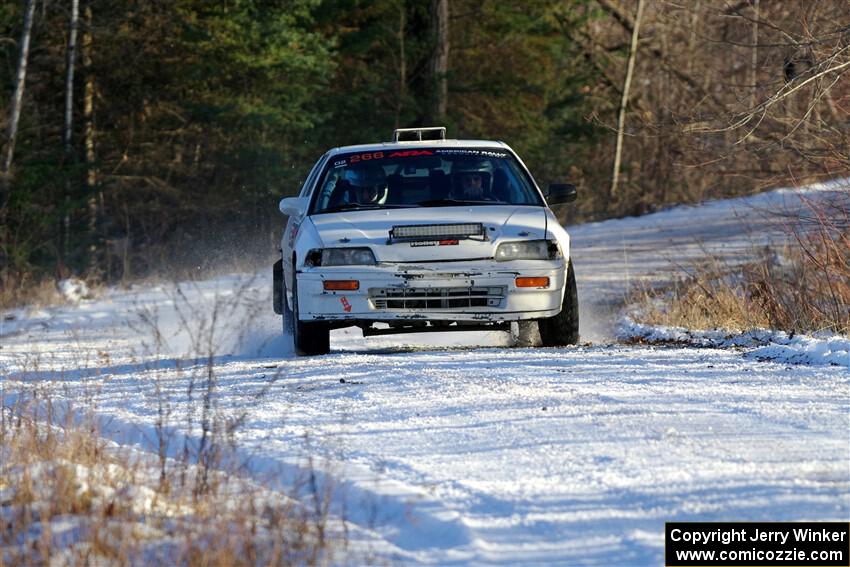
x=449 y=455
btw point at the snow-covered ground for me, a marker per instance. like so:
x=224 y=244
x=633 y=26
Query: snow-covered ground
x=444 y=454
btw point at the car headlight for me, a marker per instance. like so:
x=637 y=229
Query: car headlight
x=340 y=257
x=528 y=250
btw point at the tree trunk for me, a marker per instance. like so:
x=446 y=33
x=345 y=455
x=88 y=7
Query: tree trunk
x=621 y=118
x=15 y=115
x=18 y=98
x=95 y=200
x=754 y=57
x=65 y=234
x=69 y=77
x=695 y=10
x=402 y=66
x=440 y=60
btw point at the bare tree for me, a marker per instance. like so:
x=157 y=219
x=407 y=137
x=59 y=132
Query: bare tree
x=18 y=98
x=402 y=65
x=68 y=130
x=95 y=199
x=624 y=99
x=755 y=55
x=69 y=77
x=440 y=59
x=15 y=115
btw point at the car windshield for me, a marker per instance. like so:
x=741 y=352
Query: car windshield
x=427 y=177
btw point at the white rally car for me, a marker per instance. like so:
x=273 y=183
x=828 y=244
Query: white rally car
x=424 y=234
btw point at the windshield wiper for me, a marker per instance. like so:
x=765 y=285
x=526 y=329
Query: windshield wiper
x=365 y=206
x=454 y=203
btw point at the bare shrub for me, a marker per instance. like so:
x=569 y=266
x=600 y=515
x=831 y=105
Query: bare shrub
x=197 y=329
x=803 y=288
x=709 y=295
x=823 y=284
x=71 y=497
x=58 y=474
x=27 y=289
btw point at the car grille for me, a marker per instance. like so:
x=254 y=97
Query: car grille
x=437 y=297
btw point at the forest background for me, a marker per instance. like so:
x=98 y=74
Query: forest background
x=143 y=135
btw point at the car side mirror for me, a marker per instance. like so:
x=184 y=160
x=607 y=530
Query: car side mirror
x=293 y=206
x=561 y=193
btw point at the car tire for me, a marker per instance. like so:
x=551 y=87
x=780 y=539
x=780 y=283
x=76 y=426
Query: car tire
x=562 y=329
x=310 y=339
x=288 y=316
x=277 y=293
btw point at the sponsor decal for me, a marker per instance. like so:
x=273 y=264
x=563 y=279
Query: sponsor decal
x=346 y=306
x=412 y=153
x=423 y=243
x=366 y=157
x=370 y=156
x=470 y=152
x=449 y=242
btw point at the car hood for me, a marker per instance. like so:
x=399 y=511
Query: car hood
x=371 y=228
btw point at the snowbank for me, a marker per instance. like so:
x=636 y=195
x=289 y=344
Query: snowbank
x=762 y=344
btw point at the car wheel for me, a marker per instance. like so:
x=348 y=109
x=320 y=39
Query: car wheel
x=288 y=316
x=309 y=338
x=562 y=329
x=277 y=294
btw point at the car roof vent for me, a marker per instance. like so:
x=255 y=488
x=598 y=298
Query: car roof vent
x=419 y=134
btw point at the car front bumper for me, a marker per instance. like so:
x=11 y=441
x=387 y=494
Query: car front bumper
x=482 y=291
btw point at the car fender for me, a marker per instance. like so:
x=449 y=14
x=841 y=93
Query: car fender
x=301 y=236
x=558 y=233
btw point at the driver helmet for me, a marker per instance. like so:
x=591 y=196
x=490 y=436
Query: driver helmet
x=369 y=181
x=472 y=177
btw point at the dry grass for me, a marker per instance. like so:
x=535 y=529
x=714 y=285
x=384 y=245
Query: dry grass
x=71 y=497
x=803 y=288
x=28 y=290
x=705 y=299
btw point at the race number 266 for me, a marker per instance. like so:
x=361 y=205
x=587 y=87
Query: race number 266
x=366 y=157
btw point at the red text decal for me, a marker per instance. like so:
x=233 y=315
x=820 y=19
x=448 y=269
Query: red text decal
x=411 y=153
x=345 y=304
x=366 y=157
x=381 y=155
